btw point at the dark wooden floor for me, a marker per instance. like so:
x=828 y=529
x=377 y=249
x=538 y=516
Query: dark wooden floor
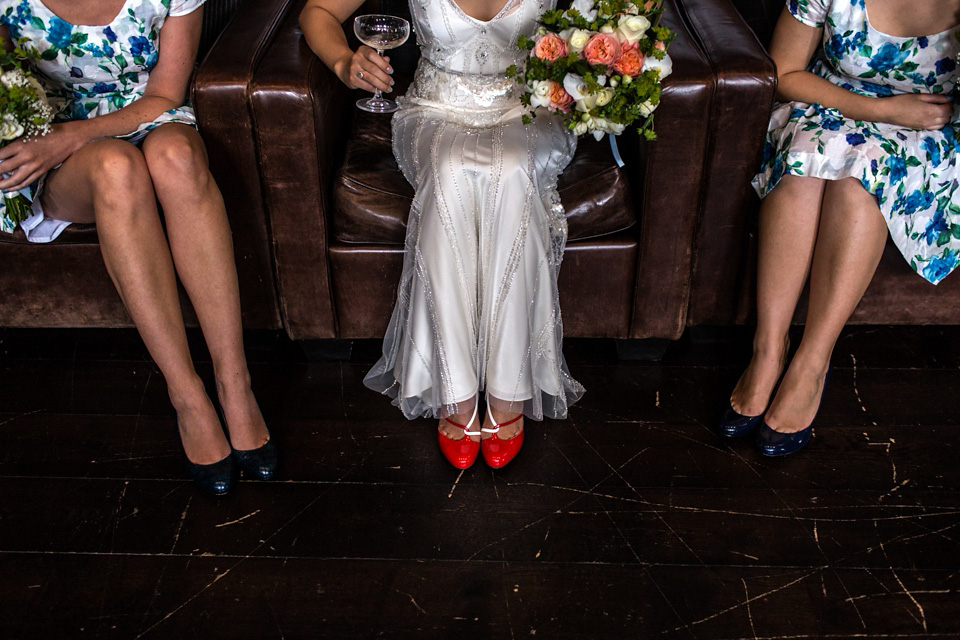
x=629 y=520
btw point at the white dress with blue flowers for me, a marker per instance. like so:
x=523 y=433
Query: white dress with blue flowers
x=912 y=173
x=88 y=71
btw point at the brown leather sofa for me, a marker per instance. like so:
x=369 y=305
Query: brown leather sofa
x=65 y=284
x=337 y=202
x=723 y=289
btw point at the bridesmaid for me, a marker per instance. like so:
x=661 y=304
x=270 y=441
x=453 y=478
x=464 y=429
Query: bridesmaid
x=116 y=73
x=863 y=146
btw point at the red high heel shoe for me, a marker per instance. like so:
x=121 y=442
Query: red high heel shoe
x=461 y=453
x=499 y=452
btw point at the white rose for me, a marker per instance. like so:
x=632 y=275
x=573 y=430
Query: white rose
x=605 y=96
x=586 y=103
x=10 y=129
x=647 y=108
x=632 y=9
x=607 y=28
x=574 y=85
x=577 y=39
x=632 y=28
x=586 y=9
x=665 y=66
x=540 y=93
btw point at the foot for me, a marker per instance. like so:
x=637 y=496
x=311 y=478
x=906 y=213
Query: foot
x=200 y=430
x=511 y=424
x=451 y=431
x=242 y=413
x=798 y=399
x=752 y=394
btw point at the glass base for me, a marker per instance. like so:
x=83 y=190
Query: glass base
x=377 y=105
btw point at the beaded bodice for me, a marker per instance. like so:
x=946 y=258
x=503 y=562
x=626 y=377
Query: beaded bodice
x=453 y=41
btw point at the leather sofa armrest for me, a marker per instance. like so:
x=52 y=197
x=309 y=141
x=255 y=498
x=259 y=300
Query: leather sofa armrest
x=667 y=176
x=220 y=94
x=302 y=114
x=746 y=85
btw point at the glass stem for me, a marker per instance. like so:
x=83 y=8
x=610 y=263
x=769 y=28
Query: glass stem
x=377 y=97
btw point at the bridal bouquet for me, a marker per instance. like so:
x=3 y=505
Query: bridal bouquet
x=599 y=63
x=24 y=111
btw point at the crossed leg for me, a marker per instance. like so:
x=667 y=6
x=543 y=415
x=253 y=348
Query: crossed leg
x=834 y=232
x=849 y=246
x=111 y=182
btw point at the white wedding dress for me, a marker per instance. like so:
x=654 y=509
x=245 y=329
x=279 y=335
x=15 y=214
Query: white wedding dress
x=477 y=307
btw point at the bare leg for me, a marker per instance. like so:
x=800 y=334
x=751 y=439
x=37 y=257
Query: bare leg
x=202 y=250
x=849 y=246
x=789 y=219
x=107 y=182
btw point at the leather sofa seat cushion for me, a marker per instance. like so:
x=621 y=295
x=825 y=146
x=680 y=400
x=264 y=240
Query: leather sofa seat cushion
x=372 y=198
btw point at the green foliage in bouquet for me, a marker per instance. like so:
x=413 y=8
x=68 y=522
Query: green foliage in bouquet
x=24 y=111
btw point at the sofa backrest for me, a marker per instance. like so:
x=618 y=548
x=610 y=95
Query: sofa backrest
x=216 y=15
x=761 y=15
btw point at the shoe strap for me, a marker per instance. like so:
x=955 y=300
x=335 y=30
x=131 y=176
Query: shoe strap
x=496 y=427
x=466 y=427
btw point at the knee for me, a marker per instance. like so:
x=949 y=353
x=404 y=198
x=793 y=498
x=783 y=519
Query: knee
x=119 y=176
x=177 y=160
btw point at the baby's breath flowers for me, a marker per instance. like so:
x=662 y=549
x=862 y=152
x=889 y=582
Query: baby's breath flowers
x=599 y=63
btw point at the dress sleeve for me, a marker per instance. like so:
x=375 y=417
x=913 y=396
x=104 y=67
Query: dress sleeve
x=183 y=7
x=812 y=13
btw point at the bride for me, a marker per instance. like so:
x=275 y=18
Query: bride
x=477 y=307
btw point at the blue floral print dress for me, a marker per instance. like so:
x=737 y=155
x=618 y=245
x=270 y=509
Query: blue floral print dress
x=88 y=71
x=913 y=174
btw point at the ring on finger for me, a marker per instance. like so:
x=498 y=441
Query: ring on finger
x=360 y=74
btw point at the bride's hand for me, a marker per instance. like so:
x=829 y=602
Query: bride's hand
x=918 y=111
x=366 y=70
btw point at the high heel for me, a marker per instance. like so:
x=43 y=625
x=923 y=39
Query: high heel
x=460 y=453
x=259 y=463
x=215 y=479
x=773 y=443
x=735 y=425
x=498 y=453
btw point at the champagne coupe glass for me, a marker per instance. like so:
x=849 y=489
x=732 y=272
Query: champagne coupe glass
x=380 y=32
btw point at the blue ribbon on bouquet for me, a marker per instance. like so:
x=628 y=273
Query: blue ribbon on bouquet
x=616 y=151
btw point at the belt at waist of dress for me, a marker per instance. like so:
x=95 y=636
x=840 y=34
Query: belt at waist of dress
x=463 y=92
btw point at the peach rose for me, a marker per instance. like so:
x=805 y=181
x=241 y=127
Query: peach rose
x=630 y=62
x=603 y=48
x=550 y=47
x=651 y=5
x=560 y=100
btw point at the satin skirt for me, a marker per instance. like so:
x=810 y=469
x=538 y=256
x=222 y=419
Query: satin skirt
x=477 y=308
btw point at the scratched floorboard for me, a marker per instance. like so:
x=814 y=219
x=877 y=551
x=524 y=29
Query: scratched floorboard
x=628 y=520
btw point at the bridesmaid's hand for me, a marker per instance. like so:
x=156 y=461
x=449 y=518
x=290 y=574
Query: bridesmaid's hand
x=923 y=111
x=24 y=161
x=366 y=70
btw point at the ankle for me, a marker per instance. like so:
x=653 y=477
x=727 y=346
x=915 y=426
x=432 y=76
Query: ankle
x=771 y=347
x=235 y=385
x=188 y=395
